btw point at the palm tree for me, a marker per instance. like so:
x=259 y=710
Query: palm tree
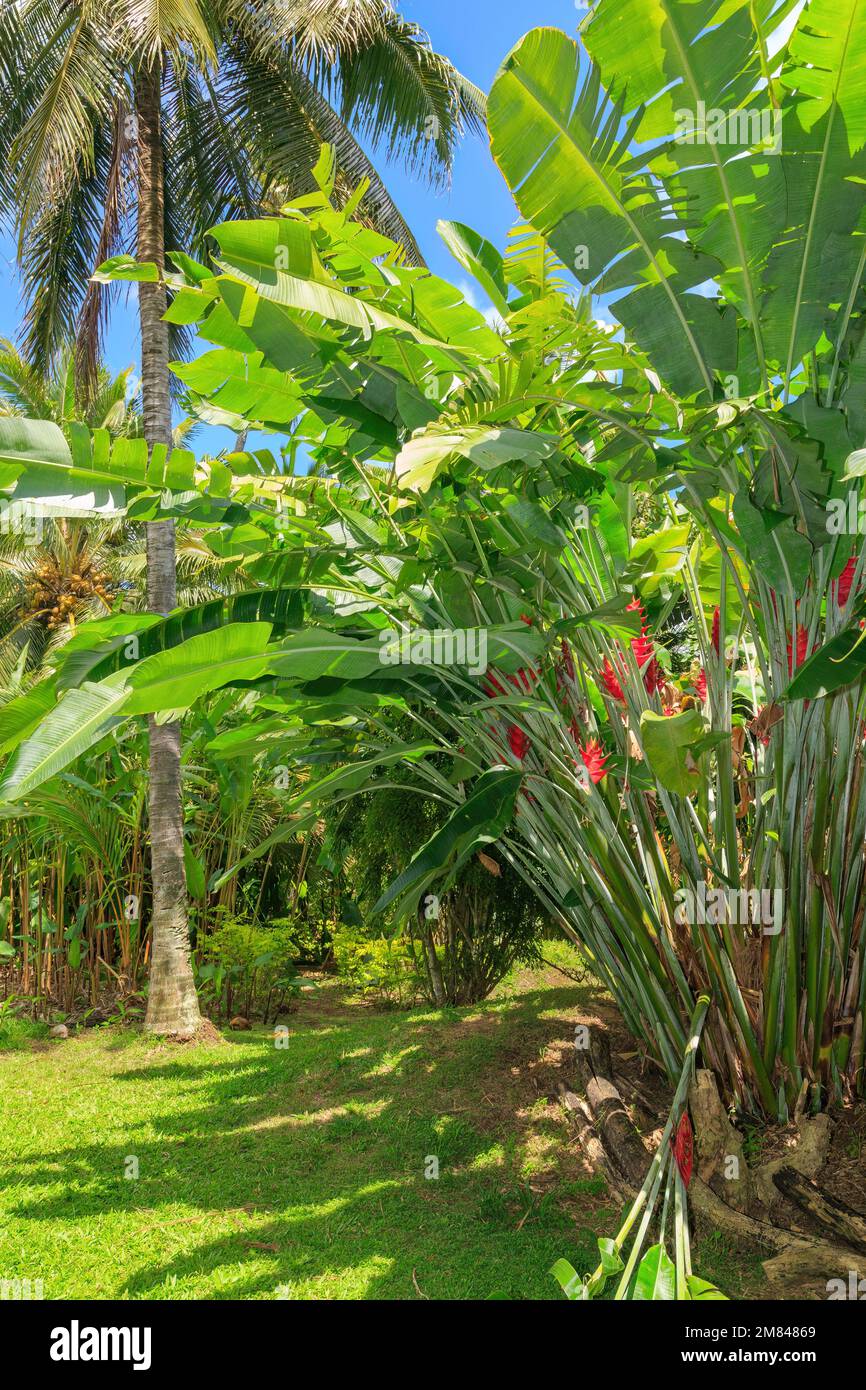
x=27 y=391
x=137 y=119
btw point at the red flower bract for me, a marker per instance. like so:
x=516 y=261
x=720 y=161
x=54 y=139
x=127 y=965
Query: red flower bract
x=594 y=759
x=518 y=742
x=802 y=645
x=844 y=582
x=610 y=681
x=701 y=685
x=525 y=678
x=644 y=651
x=492 y=687
x=716 y=621
x=567 y=659
x=683 y=1147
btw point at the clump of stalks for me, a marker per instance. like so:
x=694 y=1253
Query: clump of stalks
x=657 y=1276
x=768 y=805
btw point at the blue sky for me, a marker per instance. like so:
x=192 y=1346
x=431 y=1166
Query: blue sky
x=475 y=35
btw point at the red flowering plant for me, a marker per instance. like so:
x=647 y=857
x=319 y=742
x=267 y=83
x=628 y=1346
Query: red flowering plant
x=615 y=771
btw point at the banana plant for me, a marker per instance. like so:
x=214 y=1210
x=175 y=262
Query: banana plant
x=491 y=481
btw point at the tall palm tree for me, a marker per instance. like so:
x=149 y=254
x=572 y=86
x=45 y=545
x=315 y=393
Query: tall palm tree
x=153 y=120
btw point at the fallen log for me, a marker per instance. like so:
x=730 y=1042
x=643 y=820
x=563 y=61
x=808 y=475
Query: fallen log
x=804 y=1262
x=621 y=1141
x=592 y=1145
x=828 y=1211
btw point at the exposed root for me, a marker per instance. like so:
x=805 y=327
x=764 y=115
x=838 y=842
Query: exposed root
x=803 y=1262
x=720 y=1146
x=206 y=1033
x=615 y=1148
x=808 y=1158
x=737 y=1224
x=827 y=1211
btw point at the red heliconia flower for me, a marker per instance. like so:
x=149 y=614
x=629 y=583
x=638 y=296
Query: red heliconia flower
x=637 y=607
x=525 y=618
x=610 y=681
x=802 y=644
x=844 y=582
x=518 y=742
x=492 y=687
x=524 y=678
x=701 y=685
x=568 y=660
x=594 y=760
x=683 y=1147
x=644 y=651
x=644 y=655
x=716 y=619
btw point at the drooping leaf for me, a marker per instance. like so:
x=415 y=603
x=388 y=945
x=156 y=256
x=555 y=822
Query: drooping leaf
x=656 y=1277
x=667 y=742
x=174 y=679
x=479 y=820
x=835 y=664
x=701 y=1289
x=569 y=1280
x=74 y=724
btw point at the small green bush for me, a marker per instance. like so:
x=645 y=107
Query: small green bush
x=380 y=967
x=249 y=969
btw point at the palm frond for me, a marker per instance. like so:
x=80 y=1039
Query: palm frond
x=284 y=120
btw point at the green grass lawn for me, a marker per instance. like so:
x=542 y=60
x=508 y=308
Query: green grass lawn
x=299 y=1171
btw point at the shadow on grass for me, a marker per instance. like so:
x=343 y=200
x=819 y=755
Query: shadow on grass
x=315 y=1160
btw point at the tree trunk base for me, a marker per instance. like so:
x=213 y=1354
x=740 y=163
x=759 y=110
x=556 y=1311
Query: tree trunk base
x=745 y=1206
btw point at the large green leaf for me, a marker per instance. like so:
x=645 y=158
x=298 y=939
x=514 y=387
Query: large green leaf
x=19 y=717
x=817 y=264
x=85 y=477
x=316 y=652
x=481 y=819
x=30 y=441
x=668 y=743
x=656 y=1276
x=105 y=645
x=566 y=158
x=480 y=257
x=835 y=664
x=76 y=722
x=680 y=62
x=702 y=1290
x=422 y=459
x=568 y=1279
x=773 y=545
x=174 y=679
x=249 y=252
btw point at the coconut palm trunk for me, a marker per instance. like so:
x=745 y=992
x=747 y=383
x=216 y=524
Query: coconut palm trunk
x=172 y=1005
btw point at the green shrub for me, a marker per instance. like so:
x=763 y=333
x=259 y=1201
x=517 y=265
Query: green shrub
x=487 y=922
x=380 y=967
x=249 y=969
